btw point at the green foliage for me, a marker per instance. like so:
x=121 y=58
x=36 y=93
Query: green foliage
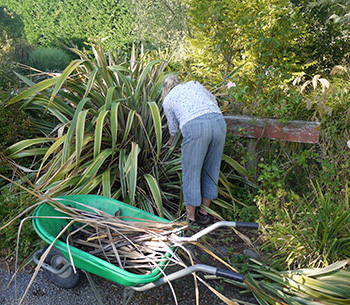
x=313 y=233
x=300 y=286
x=327 y=25
x=235 y=31
x=14 y=126
x=11 y=26
x=302 y=232
x=14 y=123
x=273 y=99
x=331 y=159
x=160 y=23
x=253 y=43
x=48 y=59
x=270 y=205
x=217 y=36
x=237 y=181
x=13 y=202
x=327 y=100
x=271 y=176
x=108 y=138
x=48 y=23
x=8 y=81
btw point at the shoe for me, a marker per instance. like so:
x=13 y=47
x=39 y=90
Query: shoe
x=202 y=219
x=193 y=225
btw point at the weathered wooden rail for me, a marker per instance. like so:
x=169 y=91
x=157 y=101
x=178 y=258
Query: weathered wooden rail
x=257 y=128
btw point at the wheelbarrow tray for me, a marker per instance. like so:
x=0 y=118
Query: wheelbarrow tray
x=48 y=228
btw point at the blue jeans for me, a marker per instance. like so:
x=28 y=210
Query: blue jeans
x=201 y=151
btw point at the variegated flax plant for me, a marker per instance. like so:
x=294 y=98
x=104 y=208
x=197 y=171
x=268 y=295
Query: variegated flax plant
x=102 y=130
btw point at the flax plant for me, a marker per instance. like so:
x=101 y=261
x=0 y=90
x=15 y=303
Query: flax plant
x=102 y=124
x=308 y=286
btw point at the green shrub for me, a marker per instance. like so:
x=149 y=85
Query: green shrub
x=331 y=158
x=12 y=202
x=327 y=99
x=49 y=59
x=9 y=82
x=115 y=132
x=14 y=125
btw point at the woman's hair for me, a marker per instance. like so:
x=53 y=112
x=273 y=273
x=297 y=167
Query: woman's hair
x=169 y=82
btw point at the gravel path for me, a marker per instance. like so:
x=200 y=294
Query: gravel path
x=43 y=292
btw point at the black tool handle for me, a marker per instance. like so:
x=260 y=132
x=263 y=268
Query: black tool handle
x=230 y=275
x=246 y=225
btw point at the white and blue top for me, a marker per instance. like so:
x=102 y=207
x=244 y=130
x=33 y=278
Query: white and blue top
x=186 y=102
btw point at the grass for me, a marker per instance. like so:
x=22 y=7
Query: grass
x=315 y=233
x=49 y=59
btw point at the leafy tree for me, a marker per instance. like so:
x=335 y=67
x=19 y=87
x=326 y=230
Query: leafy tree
x=47 y=23
x=11 y=26
x=263 y=36
x=217 y=39
x=163 y=23
x=230 y=32
x=327 y=24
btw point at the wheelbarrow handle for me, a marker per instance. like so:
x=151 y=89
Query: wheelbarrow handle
x=247 y=225
x=214 y=226
x=230 y=275
x=183 y=272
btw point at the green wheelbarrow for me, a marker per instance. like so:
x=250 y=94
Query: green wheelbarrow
x=58 y=265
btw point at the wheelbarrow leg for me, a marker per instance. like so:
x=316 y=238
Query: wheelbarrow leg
x=128 y=293
x=93 y=286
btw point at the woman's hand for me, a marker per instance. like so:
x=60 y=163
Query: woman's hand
x=171 y=140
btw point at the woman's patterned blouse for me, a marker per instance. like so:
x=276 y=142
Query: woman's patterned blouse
x=186 y=102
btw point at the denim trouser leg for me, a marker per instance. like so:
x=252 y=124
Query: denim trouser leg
x=202 y=148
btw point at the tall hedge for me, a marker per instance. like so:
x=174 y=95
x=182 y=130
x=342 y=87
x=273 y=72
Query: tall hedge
x=48 y=22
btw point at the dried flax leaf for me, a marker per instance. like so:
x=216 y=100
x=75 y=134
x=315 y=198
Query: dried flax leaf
x=217 y=293
x=216 y=257
x=42 y=258
x=114 y=249
x=135 y=245
x=338 y=69
x=127 y=238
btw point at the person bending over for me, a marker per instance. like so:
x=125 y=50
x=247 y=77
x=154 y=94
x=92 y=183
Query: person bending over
x=191 y=108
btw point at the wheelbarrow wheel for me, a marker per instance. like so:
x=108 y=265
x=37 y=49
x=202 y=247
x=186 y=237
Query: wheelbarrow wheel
x=68 y=279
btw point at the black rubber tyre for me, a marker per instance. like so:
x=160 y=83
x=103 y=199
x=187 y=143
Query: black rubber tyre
x=67 y=279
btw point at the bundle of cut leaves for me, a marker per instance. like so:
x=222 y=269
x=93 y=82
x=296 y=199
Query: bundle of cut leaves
x=138 y=245
x=329 y=285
